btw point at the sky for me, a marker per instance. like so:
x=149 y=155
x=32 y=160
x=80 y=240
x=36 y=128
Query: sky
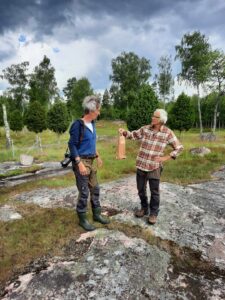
x=81 y=37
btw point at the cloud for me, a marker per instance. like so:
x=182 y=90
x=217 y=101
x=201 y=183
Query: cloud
x=82 y=37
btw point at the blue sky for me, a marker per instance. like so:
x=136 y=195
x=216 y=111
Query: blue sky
x=82 y=37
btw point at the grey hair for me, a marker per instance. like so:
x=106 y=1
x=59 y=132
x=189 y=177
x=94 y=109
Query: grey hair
x=163 y=115
x=91 y=103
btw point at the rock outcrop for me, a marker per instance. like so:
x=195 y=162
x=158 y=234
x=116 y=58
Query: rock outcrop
x=181 y=257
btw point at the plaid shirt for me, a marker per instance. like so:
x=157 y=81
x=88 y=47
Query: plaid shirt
x=153 y=144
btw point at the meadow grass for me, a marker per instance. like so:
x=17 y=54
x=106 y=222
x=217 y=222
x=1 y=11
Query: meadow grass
x=43 y=231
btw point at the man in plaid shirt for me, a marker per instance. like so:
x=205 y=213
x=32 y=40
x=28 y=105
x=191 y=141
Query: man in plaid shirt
x=154 y=138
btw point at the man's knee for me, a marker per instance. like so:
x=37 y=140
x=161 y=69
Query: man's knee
x=84 y=191
x=95 y=190
x=142 y=194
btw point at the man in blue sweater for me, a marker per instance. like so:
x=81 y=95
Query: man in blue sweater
x=82 y=145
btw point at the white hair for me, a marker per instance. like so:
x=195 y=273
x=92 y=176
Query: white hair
x=91 y=103
x=163 y=115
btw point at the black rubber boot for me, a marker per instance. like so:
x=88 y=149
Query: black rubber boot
x=83 y=222
x=97 y=216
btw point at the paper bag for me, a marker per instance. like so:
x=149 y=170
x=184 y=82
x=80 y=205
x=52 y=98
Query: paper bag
x=121 y=148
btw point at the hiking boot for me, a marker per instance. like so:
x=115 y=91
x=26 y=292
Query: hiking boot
x=152 y=219
x=141 y=213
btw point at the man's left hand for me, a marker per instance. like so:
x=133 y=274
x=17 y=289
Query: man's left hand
x=99 y=162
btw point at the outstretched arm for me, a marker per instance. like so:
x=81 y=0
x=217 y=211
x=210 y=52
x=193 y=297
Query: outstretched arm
x=134 y=135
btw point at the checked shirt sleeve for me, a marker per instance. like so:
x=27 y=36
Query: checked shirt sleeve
x=176 y=145
x=136 y=134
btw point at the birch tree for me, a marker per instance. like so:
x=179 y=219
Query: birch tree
x=7 y=128
x=194 y=53
x=217 y=81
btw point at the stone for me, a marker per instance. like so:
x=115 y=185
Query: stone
x=208 y=136
x=26 y=160
x=200 y=151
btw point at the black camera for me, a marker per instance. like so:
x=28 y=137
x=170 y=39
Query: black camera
x=66 y=161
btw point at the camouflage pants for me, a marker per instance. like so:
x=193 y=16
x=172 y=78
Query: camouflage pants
x=87 y=184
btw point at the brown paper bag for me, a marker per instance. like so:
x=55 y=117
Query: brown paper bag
x=121 y=148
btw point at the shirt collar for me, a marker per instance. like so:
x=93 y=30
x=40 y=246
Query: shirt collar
x=160 y=129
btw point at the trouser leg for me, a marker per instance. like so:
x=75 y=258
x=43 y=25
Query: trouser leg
x=82 y=186
x=141 y=178
x=94 y=189
x=155 y=197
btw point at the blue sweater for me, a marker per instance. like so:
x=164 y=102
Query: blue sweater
x=85 y=147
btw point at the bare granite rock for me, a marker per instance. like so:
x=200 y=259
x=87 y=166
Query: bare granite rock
x=183 y=259
x=8 y=213
x=115 y=267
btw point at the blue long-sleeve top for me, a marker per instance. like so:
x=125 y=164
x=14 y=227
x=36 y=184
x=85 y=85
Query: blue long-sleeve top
x=85 y=146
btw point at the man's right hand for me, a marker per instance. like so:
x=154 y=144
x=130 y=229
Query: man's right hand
x=121 y=131
x=82 y=169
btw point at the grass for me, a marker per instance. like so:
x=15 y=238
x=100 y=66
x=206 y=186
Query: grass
x=43 y=231
x=25 y=170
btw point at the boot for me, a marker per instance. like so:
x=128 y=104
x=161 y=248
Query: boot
x=141 y=212
x=97 y=216
x=83 y=222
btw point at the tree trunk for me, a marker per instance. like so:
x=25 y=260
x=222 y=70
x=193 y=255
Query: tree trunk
x=38 y=142
x=215 y=114
x=58 y=138
x=7 y=129
x=199 y=112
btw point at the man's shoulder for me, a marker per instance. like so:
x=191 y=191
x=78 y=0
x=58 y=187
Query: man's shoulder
x=165 y=129
x=147 y=127
x=77 y=124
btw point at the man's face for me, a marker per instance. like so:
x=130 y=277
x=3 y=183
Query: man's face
x=95 y=114
x=156 y=118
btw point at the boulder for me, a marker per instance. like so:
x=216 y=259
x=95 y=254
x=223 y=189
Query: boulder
x=208 y=136
x=26 y=160
x=200 y=151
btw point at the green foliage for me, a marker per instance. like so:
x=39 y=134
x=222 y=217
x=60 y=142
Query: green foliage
x=181 y=115
x=43 y=86
x=18 y=78
x=194 y=105
x=36 y=117
x=217 y=78
x=81 y=89
x=164 y=79
x=58 y=118
x=1 y=113
x=106 y=100
x=217 y=74
x=16 y=120
x=208 y=104
x=68 y=90
x=194 y=53
x=142 y=109
x=107 y=113
x=129 y=73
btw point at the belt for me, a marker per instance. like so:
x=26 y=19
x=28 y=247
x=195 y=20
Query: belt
x=88 y=157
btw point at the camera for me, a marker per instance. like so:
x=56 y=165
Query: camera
x=66 y=161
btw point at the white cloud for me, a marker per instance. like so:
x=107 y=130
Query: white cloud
x=85 y=44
